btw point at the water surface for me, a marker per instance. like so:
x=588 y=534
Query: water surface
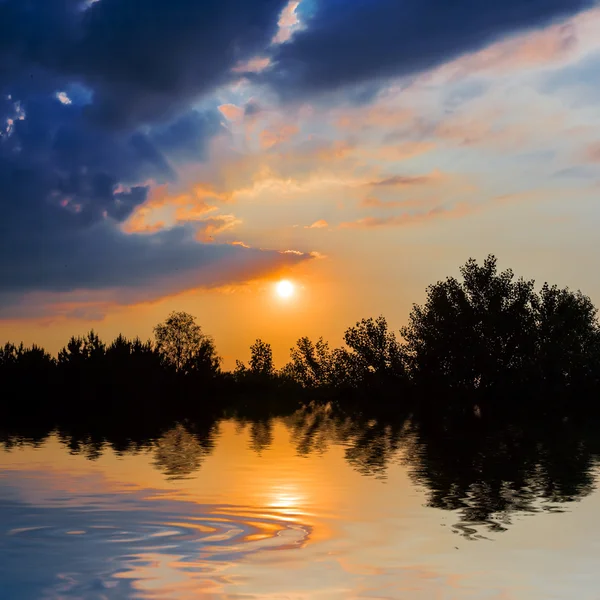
x=303 y=506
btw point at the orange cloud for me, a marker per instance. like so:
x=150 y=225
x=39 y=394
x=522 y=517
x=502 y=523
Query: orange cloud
x=270 y=137
x=163 y=209
x=213 y=226
x=231 y=112
x=320 y=224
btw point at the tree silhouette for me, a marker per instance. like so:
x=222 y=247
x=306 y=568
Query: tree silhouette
x=568 y=338
x=491 y=331
x=312 y=365
x=375 y=353
x=261 y=359
x=260 y=366
x=473 y=334
x=184 y=347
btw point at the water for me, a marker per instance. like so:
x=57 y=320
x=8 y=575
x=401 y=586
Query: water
x=301 y=506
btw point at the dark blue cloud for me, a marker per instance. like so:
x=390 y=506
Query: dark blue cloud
x=143 y=60
x=354 y=41
x=67 y=185
x=96 y=106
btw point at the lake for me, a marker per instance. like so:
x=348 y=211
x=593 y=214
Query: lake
x=299 y=506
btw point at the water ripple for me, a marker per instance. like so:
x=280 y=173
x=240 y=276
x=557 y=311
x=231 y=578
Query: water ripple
x=69 y=547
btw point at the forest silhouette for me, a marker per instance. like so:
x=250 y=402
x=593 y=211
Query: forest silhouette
x=488 y=342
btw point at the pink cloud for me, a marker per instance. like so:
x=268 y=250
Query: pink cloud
x=254 y=65
x=288 y=22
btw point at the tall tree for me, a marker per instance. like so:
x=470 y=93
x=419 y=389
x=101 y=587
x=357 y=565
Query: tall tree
x=184 y=347
x=261 y=359
x=474 y=334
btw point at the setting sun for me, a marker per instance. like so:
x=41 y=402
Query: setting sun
x=285 y=289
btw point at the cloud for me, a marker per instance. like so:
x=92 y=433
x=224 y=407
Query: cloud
x=554 y=46
x=66 y=188
x=459 y=210
x=107 y=280
x=96 y=126
x=231 y=112
x=213 y=226
x=373 y=202
x=288 y=22
x=141 y=63
x=408 y=180
x=273 y=137
x=320 y=224
x=74 y=192
x=376 y=39
x=253 y=65
x=592 y=153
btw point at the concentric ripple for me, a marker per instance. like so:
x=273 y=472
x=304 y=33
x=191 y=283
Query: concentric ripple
x=213 y=529
x=113 y=548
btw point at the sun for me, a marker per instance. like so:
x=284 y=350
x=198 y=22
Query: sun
x=285 y=288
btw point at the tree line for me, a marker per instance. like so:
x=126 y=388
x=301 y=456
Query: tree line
x=487 y=339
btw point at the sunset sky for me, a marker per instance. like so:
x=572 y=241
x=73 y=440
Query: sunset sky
x=188 y=155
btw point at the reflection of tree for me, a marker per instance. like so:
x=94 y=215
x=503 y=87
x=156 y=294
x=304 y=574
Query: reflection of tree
x=180 y=452
x=370 y=444
x=483 y=470
x=261 y=434
x=373 y=445
x=313 y=429
x=486 y=472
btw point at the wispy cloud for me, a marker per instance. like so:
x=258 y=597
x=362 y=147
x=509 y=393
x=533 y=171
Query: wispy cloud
x=408 y=180
x=460 y=210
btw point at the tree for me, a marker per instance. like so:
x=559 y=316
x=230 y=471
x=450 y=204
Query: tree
x=375 y=351
x=82 y=349
x=184 y=347
x=261 y=362
x=474 y=334
x=261 y=359
x=311 y=364
x=568 y=352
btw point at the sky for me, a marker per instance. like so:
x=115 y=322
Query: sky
x=188 y=155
